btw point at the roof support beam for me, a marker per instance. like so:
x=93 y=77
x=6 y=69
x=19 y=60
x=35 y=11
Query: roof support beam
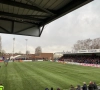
x=74 y=4
x=22 y=5
x=19 y=16
x=47 y=11
x=36 y=16
x=13 y=20
x=18 y=4
x=12 y=27
x=41 y=31
x=24 y=29
x=4 y=29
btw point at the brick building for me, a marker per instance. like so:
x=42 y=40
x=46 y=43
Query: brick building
x=45 y=56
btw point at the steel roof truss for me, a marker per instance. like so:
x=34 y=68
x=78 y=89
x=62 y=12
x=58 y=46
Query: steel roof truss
x=22 y=5
x=20 y=16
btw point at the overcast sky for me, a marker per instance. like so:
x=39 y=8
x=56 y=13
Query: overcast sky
x=61 y=34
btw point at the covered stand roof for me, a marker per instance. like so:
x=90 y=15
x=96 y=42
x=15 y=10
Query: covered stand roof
x=28 y=17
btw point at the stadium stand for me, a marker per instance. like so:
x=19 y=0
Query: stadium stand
x=89 y=58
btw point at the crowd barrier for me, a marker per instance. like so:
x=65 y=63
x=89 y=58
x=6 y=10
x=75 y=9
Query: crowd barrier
x=92 y=65
x=1 y=60
x=27 y=60
x=82 y=64
x=24 y=60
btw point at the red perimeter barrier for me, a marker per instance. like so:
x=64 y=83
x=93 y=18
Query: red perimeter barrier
x=1 y=60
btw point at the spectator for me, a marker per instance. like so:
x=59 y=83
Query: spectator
x=46 y=89
x=91 y=86
x=78 y=87
x=95 y=86
x=51 y=88
x=84 y=86
x=1 y=87
x=72 y=87
x=58 y=88
x=81 y=59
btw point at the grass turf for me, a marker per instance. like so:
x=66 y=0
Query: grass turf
x=39 y=75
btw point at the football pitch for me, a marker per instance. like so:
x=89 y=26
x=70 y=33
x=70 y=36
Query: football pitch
x=39 y=75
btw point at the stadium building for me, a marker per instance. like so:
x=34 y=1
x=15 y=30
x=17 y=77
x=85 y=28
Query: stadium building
x=82 y=57
x=41 y=56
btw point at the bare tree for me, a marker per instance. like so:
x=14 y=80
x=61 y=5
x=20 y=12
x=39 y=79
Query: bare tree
x=38 y=50
x=87 y=44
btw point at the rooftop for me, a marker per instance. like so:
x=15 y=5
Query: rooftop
x=28 y=17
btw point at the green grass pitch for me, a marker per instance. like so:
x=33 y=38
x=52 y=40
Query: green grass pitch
x=39 y=75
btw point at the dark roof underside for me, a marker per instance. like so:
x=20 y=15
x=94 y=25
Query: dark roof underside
x=28 y=17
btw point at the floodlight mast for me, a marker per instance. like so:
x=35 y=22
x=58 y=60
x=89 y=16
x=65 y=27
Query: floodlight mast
x=0 y=45
x=13 y=46
x=26 y=49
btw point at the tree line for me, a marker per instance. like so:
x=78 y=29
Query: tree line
x=87 y=44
